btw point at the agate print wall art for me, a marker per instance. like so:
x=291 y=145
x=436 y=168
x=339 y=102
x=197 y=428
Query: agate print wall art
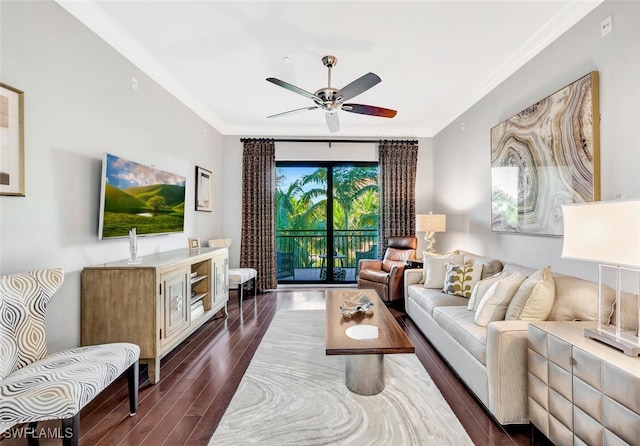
x=546 y=156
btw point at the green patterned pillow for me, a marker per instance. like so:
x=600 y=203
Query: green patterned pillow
x=460 y=279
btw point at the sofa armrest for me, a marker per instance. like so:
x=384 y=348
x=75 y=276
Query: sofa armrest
x=507 y=346
x=411 y=277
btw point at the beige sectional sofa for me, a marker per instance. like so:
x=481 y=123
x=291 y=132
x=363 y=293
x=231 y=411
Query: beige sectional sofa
x=492 y=359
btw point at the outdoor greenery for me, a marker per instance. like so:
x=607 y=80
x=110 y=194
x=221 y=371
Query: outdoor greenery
x=301 y=211
x=302 y=205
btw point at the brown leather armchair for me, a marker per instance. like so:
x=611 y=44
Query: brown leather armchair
x=386 y=276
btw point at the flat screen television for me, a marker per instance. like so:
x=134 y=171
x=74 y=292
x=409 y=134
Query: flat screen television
x=140 y=196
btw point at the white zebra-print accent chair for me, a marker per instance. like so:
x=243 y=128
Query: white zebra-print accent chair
x=35 y=386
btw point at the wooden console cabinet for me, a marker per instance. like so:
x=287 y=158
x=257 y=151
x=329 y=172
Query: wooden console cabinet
x=155 y=304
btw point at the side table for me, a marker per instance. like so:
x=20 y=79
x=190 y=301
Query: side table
x=581 y=392
x=413 y=264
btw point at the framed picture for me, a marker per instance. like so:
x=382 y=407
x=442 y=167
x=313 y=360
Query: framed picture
x=544 y=157
x=11 y=141
x=204 y=190
x=194 y=243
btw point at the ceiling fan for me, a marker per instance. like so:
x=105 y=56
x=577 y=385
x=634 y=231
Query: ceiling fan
x=331 y=100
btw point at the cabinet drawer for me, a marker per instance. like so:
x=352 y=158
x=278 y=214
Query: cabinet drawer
x=537 y=365
x=587 y=429
x=588 y=399
x=538 y=391
x=559 y=434
x=622 y=387
x=588 y=368
x=559 y=352
x=537 y=340
x=610 y=439
x=624 y=423
x=560 y=381
x=560 y=408
x=539 y=416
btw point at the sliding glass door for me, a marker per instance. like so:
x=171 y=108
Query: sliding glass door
x=320 y=236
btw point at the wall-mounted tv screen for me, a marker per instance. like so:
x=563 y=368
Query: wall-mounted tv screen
x=140 y=196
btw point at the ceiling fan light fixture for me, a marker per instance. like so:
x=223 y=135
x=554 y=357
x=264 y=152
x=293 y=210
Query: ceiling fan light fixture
x=331 y=100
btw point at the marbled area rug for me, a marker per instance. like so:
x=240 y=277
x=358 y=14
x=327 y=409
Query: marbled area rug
x=293 y=394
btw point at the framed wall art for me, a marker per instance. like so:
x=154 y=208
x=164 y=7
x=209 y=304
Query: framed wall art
x=204 y=190
x=11 y=141
x=544 y=157
x=194 y=243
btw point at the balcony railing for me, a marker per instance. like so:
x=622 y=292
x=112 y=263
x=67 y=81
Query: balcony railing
x=307 y=249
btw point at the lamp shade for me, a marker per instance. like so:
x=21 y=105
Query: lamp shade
x=431 y=222
x=603 y=232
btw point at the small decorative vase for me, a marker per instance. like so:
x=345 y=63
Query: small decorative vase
x=133 y=247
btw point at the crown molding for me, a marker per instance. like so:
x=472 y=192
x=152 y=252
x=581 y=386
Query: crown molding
x=94 y=18
x=565 y=19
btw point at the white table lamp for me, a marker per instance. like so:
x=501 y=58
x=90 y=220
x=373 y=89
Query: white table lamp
x=430 y=223
x=607 y=233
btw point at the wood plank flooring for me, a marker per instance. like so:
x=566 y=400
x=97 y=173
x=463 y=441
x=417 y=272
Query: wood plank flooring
x=199 y=378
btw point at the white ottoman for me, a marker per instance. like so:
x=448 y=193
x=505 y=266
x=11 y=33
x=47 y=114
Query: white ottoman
x=238 y=277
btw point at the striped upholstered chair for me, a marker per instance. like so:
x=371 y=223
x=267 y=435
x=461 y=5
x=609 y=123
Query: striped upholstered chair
x=35 y=386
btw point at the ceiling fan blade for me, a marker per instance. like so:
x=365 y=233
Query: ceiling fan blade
x=358 y=86
x=293 y=88
x=290 y=112
x=369 y=110
x=333 y=122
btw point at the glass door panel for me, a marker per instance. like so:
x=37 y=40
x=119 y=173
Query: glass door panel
x=320 y=236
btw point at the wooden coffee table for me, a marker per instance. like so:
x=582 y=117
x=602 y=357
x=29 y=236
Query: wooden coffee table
x=364 y=359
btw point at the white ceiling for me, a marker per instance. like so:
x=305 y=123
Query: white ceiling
x=435 y=58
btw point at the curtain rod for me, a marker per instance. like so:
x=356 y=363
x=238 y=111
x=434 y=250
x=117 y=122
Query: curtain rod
x=355 y=141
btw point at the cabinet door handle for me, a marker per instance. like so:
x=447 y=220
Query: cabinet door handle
x=179 y=303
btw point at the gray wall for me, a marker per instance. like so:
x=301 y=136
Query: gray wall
x=462 y=177
x=79 y=104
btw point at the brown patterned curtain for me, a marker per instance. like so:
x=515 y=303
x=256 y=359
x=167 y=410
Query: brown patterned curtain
x=258 y=239
x=398 y=162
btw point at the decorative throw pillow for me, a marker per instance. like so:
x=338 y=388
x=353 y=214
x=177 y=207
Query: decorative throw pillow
x=534 y=298
x=434 y=268
x=577 y=300
x=490 y=267
x=481 y=288
x=459 y=280
x=493 y=305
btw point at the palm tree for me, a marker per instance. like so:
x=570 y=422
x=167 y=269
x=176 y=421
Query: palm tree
x=303 y=205
x=349 y=185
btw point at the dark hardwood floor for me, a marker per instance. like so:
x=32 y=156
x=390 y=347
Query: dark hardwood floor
x=199 y=378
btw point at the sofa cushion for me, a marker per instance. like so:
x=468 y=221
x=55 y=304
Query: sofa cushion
x=534 y=298
x=481 y=289
x=514 y=267
x=434 y=267
x=628 y=310
x=430 y=298
x=458 y=323
x=577 y=300
x=490 y=267
x=459 y=280
x=493 y=305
